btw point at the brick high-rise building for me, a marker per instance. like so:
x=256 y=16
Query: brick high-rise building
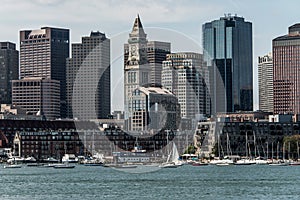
x=37 y=96
x=43 y=54
x=286 y=66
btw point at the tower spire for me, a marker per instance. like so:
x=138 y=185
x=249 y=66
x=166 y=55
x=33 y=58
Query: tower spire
x=137 y=28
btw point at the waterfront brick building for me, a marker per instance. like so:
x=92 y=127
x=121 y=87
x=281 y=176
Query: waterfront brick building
x=244 y=138
x=45 y=144
x=42 y=139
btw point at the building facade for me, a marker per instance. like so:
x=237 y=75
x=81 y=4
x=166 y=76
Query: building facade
x=88 y=78
x=286 y=66
x=9 y=70
x=227 y=44
x=37 y=96
x=156 y=54
x=153 y=109
x=43 y=54
x=265 y=82
x=185 y=75
x=42 y=144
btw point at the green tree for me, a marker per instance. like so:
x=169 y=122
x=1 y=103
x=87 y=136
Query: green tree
x=191 y=149
x=291 y=145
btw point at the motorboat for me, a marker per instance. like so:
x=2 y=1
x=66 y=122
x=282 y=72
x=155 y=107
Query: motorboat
x=30 y=160
x=295 y=163
x=12 y=166
x=63 y=166
x=222 y=161
x=69 y=158
x=15 y=160
x=245 y=162
x=279 y=163
x=51 y=160
x=96 y=160
x=199 y=164
x=260 y=161
x=34 y=165
x=222 y=164
x=125 y=166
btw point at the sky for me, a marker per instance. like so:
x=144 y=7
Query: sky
x=178 y=22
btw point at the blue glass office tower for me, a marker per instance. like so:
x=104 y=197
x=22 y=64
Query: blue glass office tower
x=227 y=45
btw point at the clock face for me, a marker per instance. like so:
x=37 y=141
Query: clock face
x=133 y=50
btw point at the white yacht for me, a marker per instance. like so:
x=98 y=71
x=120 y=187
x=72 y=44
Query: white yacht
x=221 y=161
x=245 y=162
x=69 y=158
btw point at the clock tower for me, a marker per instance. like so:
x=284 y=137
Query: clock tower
x=136 y=67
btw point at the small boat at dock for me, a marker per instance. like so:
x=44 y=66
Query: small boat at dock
x=12 y=166
x=63 y=166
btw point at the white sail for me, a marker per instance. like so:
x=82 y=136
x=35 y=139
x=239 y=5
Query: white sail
x=175 y=154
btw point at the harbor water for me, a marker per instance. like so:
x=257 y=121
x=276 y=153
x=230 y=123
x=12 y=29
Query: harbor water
x=186 y=182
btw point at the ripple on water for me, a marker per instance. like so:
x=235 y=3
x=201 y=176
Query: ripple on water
x=209 y=182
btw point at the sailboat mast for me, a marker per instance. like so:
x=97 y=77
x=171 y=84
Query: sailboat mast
x=219 y=145
x=254 y=144
x=283 y=151
x=277 y=150
x=246 y=145
x=227 y=145
x=272 y=151
x=267 y=150
x=297 y=150
x=289 y=151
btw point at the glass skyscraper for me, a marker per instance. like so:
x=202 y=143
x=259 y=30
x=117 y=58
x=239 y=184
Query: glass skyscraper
x=227 y=45
x=9 y=70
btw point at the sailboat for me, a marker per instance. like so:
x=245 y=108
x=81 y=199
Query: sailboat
x=297 y=162
x=279 y=162
x=247 y=160
x=172 y=160
x=225 y=161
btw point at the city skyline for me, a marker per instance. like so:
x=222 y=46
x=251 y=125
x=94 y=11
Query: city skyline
x=187 y=21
